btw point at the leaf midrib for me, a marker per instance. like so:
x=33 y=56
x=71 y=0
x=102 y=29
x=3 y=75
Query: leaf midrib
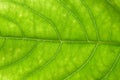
x=61 y=41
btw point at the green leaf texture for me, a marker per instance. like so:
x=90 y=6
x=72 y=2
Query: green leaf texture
x=59 y=39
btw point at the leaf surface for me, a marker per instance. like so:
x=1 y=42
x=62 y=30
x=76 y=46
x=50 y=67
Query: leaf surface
x=59 y=40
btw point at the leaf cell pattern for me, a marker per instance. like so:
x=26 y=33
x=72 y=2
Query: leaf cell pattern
x=59 y=40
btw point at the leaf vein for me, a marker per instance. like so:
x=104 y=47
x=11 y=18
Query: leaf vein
x=39 y=68
x=84 y=64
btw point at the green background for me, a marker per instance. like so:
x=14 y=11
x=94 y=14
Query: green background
x=59 y=39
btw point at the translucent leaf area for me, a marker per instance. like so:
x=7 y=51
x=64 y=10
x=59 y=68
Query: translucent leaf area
x=59 y=39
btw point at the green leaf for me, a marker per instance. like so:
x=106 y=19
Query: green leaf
x=59 y=40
